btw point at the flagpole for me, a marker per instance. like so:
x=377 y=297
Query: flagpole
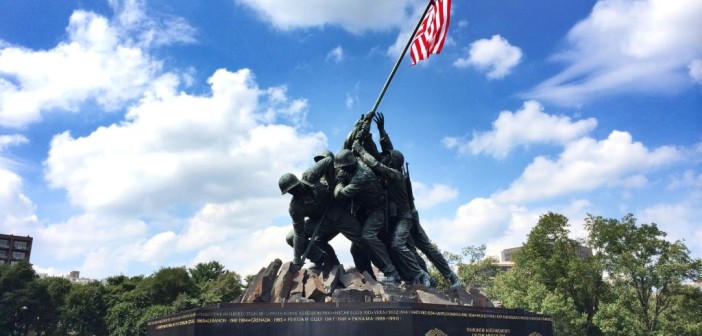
x=402 y=55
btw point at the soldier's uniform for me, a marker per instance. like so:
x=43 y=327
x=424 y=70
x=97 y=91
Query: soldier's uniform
x=419 y=238
x=364 y=189
x=404 y=258
x=323 y=172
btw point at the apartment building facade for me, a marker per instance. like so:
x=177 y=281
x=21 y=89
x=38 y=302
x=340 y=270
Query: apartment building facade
x=14 y=249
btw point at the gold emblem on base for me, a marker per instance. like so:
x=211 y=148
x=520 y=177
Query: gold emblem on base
x=435 y=332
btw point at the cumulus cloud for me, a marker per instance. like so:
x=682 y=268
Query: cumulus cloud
x=587 y=164
x=681 y=221
x=336 y=54
x=175 y=148
x=495 y=56
x=530 y=125
x=261 y=246
x=565 y=185
x=85 y=234
x=627 y=46
x=354 y=16
x=219 y=154
x=426 y=198
x=100 y=61
x=17 y=211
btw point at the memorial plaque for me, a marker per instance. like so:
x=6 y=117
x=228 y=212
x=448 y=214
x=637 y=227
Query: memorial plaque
x=371 y=318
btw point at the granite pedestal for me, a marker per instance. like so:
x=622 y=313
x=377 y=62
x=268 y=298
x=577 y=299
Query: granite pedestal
x=352 y=318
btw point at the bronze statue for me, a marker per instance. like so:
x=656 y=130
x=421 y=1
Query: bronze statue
x=365 y=195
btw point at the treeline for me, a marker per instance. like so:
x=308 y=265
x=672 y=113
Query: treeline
x=120 y=305
x=635 y=281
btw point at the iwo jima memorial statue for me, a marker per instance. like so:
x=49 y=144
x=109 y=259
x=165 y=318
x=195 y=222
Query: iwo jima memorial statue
x=364 y=194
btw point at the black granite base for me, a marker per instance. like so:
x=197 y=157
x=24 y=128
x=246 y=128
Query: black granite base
x=371 y=318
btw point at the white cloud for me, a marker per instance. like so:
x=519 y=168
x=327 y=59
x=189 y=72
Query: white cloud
x=695 y=70
x=681 y=221
x=219 y=154
x=11 y=140
x=85 y=234
x=627 y=46
x=426 y=198
x=336 y=54
x=99 y=61
x=505 y=218
x=530 y=125
x=246 y=254
x=146 y=30
x=496 y=56
x=219 y=223
x=352 y=96
x=476 y=221
x=354 y=16
x=175 y=148
x=586 y=165
x=688 y=179
x=17 y=211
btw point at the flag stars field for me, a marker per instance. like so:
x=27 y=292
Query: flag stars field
x=136 y=134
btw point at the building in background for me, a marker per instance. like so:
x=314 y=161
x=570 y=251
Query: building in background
x=14 y=249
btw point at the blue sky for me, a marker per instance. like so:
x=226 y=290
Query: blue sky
x=141 y=134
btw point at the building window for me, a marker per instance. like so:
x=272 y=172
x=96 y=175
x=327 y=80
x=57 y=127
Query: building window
x=13 y=263
x=20 y=245
x=4 y=243
x=3 y=254
x=18 y=255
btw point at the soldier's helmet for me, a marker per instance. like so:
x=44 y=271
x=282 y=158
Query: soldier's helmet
x=398 y=160
x=344 y=158
x=287 y=181
x=323 y=154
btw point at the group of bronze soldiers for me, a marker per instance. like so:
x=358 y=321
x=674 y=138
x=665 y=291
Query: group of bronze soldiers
x=365 y=195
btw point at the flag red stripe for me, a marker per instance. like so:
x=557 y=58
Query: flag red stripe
x=431 y=34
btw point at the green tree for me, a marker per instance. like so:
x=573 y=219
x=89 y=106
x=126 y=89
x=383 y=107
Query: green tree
x=203 y=273
x=85 y=309
x=134 y=301
x=16 y=297
x=57 y=289
x=479 y=271
x=550 y=261
x=647 y=270
x=169 y=282
x=517 y=288
x=128 y=300
x=685 y=315
x=225 y=288
x=554 y=260
x=123 y=319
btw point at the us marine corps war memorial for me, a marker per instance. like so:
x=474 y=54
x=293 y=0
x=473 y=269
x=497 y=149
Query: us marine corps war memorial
x=363 y=192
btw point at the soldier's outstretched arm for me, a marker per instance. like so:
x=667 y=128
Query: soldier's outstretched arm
x=385 y=143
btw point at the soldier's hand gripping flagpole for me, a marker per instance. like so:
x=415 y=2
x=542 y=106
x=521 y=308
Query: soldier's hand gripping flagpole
x=428 y=37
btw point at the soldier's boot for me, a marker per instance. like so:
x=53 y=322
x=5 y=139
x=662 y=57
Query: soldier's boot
x=432 y=282
x=323 y=265
x=423 y=279
x=391 y=277
x=453 y=280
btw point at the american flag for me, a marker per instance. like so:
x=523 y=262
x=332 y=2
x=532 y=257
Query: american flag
x=432 y=32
